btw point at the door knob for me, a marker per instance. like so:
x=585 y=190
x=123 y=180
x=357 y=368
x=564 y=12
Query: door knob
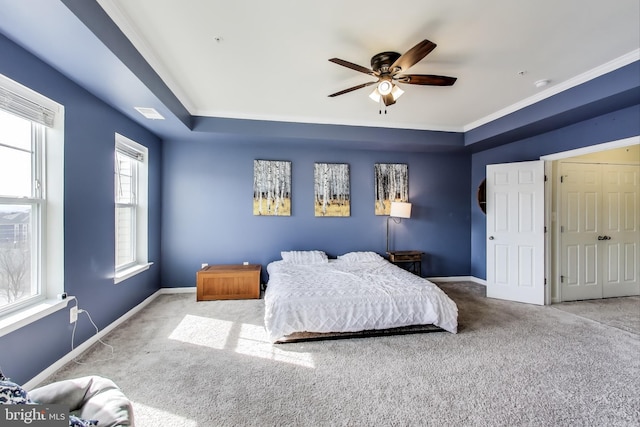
x=490 y=237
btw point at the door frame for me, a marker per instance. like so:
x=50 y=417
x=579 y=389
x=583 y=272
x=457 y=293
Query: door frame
x=552 y=237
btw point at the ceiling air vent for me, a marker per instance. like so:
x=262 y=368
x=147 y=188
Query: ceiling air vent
x=150 y=113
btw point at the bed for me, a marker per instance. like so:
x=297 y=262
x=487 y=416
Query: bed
x=309 y=296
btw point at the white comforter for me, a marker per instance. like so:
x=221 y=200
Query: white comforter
x=343 y=296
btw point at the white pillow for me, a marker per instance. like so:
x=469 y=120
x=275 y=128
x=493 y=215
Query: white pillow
x=304 y=257
x=365 y=256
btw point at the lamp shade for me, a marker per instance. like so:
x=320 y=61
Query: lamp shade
x=400 y=210
x=396 y=92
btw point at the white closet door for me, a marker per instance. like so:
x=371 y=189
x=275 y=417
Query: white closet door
x=600 y=235
x=580 y=230
x=621 y=218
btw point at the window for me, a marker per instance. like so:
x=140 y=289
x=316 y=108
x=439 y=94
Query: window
x=131 y=215
x=31 y=226
x=21 y=209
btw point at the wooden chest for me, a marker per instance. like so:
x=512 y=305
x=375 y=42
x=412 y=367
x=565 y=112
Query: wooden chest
x=228 y=282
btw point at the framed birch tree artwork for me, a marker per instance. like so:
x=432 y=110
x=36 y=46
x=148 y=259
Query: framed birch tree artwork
x=272 y=187
x=332 y=192
x=391 y=185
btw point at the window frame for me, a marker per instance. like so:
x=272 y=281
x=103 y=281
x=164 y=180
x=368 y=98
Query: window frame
x=139 y=230
x=47 y=201
x=131 y=206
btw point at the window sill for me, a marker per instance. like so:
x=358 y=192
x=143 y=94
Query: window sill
x=130 y=272
x=22 y=318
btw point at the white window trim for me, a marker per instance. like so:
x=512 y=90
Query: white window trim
x=126 y=273
x=52 y=266
x=142 y=213
x=30 y=314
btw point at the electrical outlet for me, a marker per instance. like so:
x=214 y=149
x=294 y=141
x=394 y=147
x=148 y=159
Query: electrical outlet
x=73 y=315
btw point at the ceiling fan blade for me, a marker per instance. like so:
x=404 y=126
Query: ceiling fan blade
x=413 y=56
x=426 y=79
x=351 y=89
x=351 y=65
x=388 y=100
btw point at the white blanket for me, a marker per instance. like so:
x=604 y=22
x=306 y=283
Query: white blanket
x=343 y=296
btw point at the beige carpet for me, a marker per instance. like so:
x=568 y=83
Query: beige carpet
x=621 y=313
x=191 y=364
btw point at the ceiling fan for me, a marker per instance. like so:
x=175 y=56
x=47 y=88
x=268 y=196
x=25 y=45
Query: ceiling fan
x=388 y=68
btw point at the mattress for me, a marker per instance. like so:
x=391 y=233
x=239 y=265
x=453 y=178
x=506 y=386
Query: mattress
x=345 y=296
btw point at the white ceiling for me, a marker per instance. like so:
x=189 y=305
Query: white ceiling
x=269 y=59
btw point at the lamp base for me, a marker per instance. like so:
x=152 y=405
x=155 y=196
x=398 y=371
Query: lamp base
x=397 y=221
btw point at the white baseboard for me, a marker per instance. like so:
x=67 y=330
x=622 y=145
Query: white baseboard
x=459 y=279
x=184 y=290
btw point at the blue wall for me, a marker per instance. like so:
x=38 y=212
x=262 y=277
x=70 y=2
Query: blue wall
x=207 y=208
x=609 y=127
x=90 y=127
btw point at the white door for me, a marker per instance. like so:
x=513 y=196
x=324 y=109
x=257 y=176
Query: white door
x=621 y=204
x=580 y=231
x=600 y=231
x=515 y=232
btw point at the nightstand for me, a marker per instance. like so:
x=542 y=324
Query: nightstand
x=409 y=260
x=216 y=282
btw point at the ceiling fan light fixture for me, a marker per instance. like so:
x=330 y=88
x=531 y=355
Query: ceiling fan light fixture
x=385 y=87
x=375 y=95
x=396 y=92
